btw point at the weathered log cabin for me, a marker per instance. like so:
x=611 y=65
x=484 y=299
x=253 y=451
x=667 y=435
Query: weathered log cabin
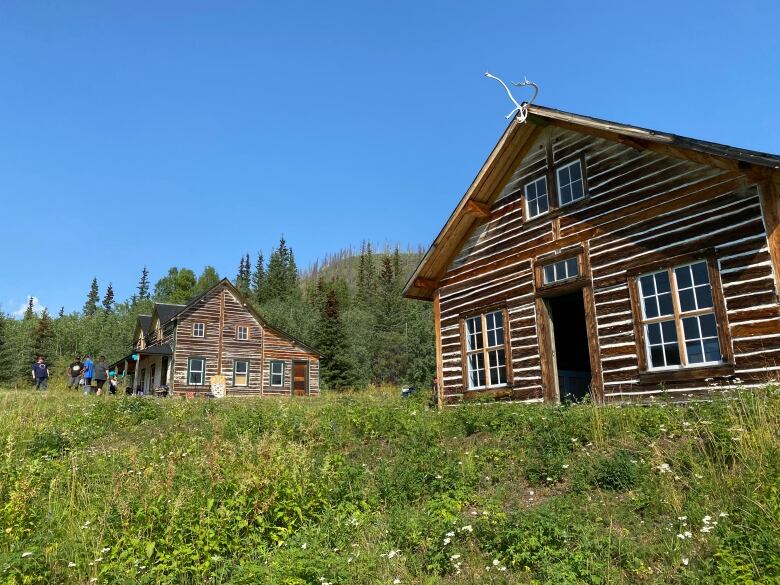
x=592 y=257
x=182 y=347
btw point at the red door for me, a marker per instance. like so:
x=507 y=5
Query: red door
x=300 y=378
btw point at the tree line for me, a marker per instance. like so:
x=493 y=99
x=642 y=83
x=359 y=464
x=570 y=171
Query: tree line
x=350 y=309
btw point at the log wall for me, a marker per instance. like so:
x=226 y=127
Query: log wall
x=642 y=207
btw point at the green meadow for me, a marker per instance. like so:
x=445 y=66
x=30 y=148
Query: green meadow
x=368 y=488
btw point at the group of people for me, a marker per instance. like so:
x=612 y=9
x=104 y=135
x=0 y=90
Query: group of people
x=81 y=373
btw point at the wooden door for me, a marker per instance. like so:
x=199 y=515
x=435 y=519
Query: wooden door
x=300 y=378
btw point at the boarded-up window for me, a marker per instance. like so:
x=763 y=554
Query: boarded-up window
x=680 y=327
x=485 y=344
x=277 y=373
x=240 y=373
x=196 y=371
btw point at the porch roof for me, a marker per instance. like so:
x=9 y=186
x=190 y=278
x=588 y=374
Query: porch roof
x=161 y=349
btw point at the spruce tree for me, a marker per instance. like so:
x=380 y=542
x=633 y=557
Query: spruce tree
x=61 y=314
x=242 y=278
x=108 y=299
x=29 y=313
x=337 y=369
x=43 y=336
x=389 y=356
x=143 y=285
x=90 y=307
x=291 y=282
x=259 y=280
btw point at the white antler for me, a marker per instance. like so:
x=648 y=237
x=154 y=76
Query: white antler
x=520 y=109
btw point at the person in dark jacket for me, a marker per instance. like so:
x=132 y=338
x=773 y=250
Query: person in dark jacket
x=74 y=373
x=101 y=374
x=40 y=374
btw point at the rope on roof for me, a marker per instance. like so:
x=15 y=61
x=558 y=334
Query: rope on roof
x=521 y=109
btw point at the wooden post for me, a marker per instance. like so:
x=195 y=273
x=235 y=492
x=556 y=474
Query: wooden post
x=546 y=352
x=221 y=327
x=770 y=209
x=596 y=382
x=437 y=336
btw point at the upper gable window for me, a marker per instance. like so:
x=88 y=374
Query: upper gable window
x=198 y=329
x=536 y=202
x=242 y=333
x=570 y=184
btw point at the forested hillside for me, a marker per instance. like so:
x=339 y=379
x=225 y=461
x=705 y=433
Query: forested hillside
x=348 y=306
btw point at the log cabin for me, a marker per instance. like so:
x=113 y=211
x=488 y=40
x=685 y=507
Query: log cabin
x=182 y=347
x=593 y=258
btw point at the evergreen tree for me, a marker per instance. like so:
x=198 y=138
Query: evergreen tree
x=90 y=307
x=243 y=276
x=43 y=336
x=281 y=273
x=61 y=313
x=29 y=313
x=292 y=285
x=143 y=285
x=337 y=369
x=389 y=357
x=108 y=299
x=259 y=280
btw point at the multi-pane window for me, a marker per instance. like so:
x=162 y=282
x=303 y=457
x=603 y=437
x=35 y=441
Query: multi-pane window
x=242 y=333
x=485 y=350
x=277 y=373
x=196 y=371
x=570 y=183
x=561 y=270
x=240 y=373
x=679 y=317
x=536 y=202
x=198 y=329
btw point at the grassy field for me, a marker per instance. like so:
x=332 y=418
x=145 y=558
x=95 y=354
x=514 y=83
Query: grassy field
x=370 y=489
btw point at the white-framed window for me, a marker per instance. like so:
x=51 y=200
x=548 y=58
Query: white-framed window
x=196 y=371
x=242 y=332
x=536 y=202
x=678 y=316
x=561 y=270
x=277 y=373
x=571 y=187
x=241 y=373
x=485 y=350
x=198 y=329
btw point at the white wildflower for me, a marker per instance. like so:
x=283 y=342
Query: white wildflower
x=26 y=554
x=495 y=562
x=722 y=515
x=304 y=546
x=105 y=549
x=685 y=561
x=682 y=518
x=467 y=528
x=454 y=557
x=71 y=565
x=565 y=466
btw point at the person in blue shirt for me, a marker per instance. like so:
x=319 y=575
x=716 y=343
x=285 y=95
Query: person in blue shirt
x=89 y=372
x=40 y=374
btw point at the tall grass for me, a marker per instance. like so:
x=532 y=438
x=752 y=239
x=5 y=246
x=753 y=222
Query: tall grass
x=367 y=488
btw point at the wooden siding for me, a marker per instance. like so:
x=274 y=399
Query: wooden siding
x=279 y=347
x=642 y=207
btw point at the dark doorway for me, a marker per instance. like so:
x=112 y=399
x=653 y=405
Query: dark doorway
x=570 y=340
x=164 y=371
x=300 y=378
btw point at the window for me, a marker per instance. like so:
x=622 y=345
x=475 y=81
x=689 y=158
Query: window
x=536 y=197
x=196 y=372
x=485 y=350
x=570 y=184
x=561 y=270
x=678 y=317
x=277 y=373
x=240 y=373
x=198 y=329
x=242 y=333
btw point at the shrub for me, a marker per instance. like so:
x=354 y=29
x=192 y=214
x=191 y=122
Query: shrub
x=616 y=472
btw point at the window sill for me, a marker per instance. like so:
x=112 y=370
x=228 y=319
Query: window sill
x=684 y=374
x=486 y=392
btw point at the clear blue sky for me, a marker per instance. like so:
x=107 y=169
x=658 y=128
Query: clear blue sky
x=187 y=133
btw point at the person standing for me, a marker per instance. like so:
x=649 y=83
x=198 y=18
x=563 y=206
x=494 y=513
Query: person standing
x=40 y=373
x=89 y=371
x=101 y=374
x=74 y=373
